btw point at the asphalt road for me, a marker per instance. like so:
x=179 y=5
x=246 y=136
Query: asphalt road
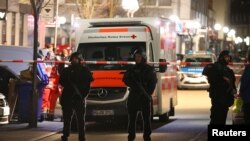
x=189 y=123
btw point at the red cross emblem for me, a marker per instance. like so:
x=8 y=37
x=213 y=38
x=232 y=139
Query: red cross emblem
x=133 y=36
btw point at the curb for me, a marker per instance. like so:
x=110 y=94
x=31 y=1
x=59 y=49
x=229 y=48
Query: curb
x=45 y=136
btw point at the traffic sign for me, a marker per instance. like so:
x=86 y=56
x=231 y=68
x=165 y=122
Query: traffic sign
x=2 y=14
x=47 y=13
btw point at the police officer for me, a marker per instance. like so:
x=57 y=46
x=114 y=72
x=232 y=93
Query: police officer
x=63 y=57
x=245 y=92
x=142 y=80
x=75 y=80
x=222 y=88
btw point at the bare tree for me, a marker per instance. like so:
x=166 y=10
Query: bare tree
x=96 y=8
x=36 y=6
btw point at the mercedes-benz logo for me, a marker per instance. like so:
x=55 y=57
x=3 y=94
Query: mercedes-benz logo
x=102 y=93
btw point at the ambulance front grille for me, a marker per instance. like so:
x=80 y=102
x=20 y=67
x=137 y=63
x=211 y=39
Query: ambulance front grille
x=104 y=94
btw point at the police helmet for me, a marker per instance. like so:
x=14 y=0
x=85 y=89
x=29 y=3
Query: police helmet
x=141 y=52
x=76 y=55
x=224 y=53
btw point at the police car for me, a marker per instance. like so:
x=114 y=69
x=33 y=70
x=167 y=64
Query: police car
x=190 y=72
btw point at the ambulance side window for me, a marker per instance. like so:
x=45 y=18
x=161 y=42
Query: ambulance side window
x=97 y=55
x=151 y=53
x=111 y=53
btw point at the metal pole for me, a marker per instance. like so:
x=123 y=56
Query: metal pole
x=178 y=8
x=206 y=39
x=71 y=29
x=191 y=40
x=56 y=22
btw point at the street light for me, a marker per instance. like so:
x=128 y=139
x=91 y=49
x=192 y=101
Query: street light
x=217 y=27
x=131 y=6
x=225 y=29
x=62 y=20
x=231 y=33
x=227 y=33
x=217 y=45
x=238 y=40
x=246 y=40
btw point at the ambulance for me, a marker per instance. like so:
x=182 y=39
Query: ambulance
x=110 y=44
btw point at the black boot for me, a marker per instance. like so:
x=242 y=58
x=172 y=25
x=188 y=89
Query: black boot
x=43 y=117
x=50 y=117
x=64 y=138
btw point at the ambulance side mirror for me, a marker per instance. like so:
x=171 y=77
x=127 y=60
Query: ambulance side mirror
x=162 y=65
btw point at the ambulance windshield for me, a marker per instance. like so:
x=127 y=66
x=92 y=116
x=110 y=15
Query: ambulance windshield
x=115 y=51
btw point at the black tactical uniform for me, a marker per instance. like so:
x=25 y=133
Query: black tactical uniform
x=142 y=80
x=222 y=87
x=75 y=80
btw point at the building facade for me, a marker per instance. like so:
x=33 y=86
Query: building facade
x=17 y=29
x=240 y=20
x=188 y=10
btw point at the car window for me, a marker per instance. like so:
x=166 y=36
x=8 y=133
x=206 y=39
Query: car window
x=3 y=82
x=198 y=58
x=5 y=75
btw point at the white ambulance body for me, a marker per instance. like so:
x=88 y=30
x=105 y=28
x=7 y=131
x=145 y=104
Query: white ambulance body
x=104 y=40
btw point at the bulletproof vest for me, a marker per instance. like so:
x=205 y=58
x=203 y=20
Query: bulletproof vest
x=209 y=71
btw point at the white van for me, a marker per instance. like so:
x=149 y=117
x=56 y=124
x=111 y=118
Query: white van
x=109 y=43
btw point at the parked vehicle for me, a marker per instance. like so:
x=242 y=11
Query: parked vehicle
x=4 y=110
x=116 y=40
x=190 y=73
x=5 y=75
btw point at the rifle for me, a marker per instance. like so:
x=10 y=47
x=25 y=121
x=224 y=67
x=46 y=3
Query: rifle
x=76 y=90
x=139 y=85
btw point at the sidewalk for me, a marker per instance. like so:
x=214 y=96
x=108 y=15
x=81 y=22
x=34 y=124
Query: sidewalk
x=21 y=131
x=16 y=131
x=45 y=130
